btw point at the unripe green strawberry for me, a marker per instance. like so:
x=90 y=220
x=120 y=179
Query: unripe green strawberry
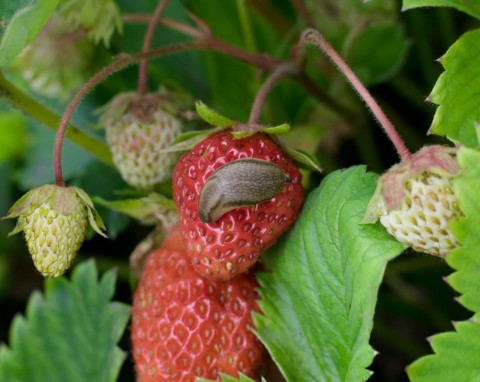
x=55 y=222
x=415 y=201
x=57 y=62
x=137 y=128
x=98 y=18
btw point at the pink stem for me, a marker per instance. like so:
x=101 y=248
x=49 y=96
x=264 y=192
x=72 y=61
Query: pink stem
x=122 y=63
x=312 y=36
x=143 y=69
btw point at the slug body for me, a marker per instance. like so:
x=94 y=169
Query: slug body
x=243 y=182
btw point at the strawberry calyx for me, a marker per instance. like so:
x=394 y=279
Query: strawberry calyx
x=64 y=200
x=142 y=107
x=390 y=192
x=188 y=140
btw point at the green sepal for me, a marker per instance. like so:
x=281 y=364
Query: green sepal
x=302 y=158
x=186 y=141
x=62 y=199
x=212 y=117
x=274 y=130
x=94 y=217
x=146 y=209
x=227 y=378
x=34 y=197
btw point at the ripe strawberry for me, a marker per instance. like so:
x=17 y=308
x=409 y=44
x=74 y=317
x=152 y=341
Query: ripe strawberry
x=137 y=128
x=55 y=222
x=185 y=326
x=229 y=246
x=415 y=200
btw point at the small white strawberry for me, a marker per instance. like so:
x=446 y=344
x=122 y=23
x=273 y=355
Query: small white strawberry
x=138 y=127
x=414 y=201
x=55 y=222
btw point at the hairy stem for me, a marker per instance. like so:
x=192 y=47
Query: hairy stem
x=118 y=65
x=312 y=36
x=259 y=60
x=143 y=67
x=279 y=73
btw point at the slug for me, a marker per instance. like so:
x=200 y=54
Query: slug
x=243 y=182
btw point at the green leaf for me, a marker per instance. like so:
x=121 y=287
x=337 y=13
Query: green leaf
x=457 y=91
x=319 y=296
x=455 y=358
x=211 y=116
x=69 y=334
x=467 y=231
x=472 y=7
x=456 y=353
x=23 y=27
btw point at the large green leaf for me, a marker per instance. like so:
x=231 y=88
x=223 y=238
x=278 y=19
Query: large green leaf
x=319 y=296
x=22 y=28
x=457 y=353
x=457 y=91
x=69 y=334
x=472 y=7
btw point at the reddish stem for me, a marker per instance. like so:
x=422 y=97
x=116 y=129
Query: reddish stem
x=143 y=68
x=259 y=60
x=312 y=36
x=172 y=24
x=122 y=63
x=280 y=72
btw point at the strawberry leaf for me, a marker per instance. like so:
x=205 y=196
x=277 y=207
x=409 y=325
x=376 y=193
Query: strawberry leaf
x=70 y=333
x=23 y=27
x=318 y=297
x=211 y=116
x=457 y=91
x=456 y=353
x=470 y=7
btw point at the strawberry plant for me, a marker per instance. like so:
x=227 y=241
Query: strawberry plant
x=257 y=219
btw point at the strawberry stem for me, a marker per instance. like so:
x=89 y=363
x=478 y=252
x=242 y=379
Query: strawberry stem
x=279 y=73
x=143 y=68
x=118 y=65
x=312 y=36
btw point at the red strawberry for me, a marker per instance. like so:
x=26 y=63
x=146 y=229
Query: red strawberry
x=185 y=326
x=227 y=247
